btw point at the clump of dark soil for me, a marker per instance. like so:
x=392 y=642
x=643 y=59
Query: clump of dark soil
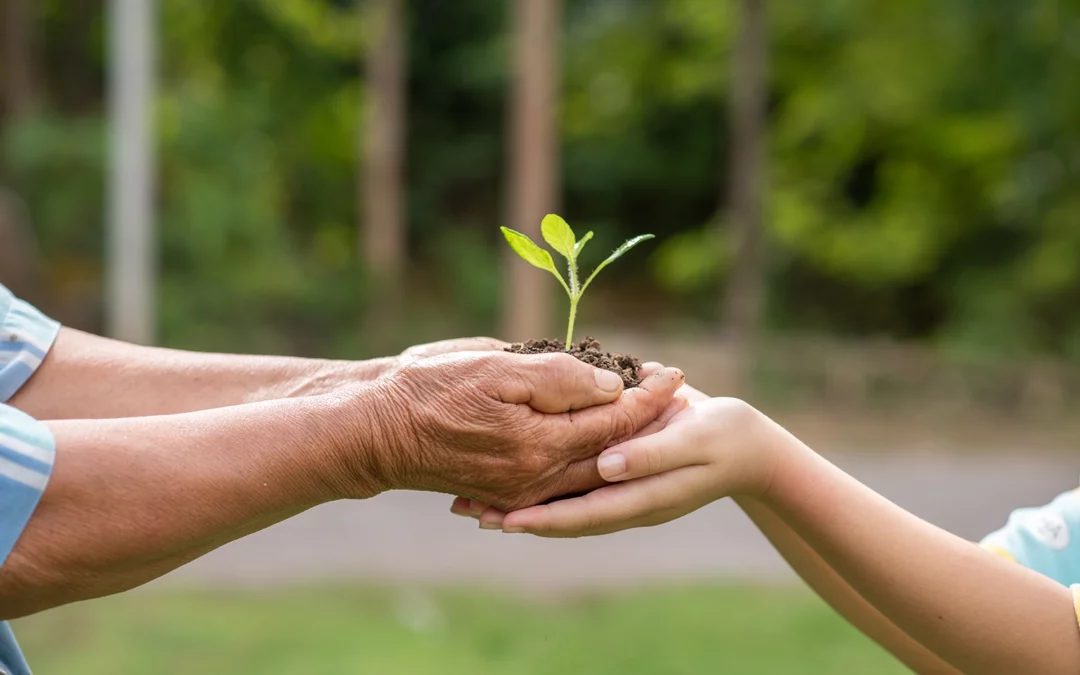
x=589 y=351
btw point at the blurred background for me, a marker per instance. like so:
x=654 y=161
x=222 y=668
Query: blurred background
x=867 y=221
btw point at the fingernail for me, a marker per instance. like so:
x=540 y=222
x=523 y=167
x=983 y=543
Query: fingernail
x=513 y=530
x=489 y=526
x=611 y=466
x=607 y=380
x=475 y=507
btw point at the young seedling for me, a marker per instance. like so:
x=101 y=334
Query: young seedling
x=561 y=238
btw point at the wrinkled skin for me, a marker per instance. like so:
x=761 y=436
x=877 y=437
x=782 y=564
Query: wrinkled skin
x=507 y=429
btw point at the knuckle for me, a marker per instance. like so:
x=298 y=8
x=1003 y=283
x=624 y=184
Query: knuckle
x=615 y=426
x=737 y=411
x=560 y=359
x=592 y=520
x=654 y=461
x=624 y=425
x=559 y=364
x=736 y=405
x=542 y=520
x=497 y=369
x=412 y=373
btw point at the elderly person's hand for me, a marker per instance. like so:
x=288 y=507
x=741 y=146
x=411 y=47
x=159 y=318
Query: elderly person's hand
x=506 y=429
x=491 y=518
x=452 y=346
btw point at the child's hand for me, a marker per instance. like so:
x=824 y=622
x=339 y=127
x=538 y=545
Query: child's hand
x=715 y=448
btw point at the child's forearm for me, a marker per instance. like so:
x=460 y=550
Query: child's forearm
x=976 y=611
x=839 y=595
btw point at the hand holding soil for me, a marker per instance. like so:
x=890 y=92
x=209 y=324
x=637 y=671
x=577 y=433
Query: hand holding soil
x=589 y=351
x=506 y=429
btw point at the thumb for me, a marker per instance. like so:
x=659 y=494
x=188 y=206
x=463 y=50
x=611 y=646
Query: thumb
x=605 y=426
x=558 y=383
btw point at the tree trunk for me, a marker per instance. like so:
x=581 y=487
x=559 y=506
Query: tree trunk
x=382 y=237
x=534 y=152
x=20 y=80
x=20 y=97
x=18 y=249
x=131 y=236
x=744 y=297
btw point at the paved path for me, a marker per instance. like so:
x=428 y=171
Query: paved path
x=408 y=537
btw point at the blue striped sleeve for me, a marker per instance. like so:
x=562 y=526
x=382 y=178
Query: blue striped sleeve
x=27 y=454
x=25 y=337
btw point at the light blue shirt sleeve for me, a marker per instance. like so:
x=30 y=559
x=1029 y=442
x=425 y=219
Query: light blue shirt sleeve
x=27 y=454
x=26 y=335
x=27 y=447
x=1044 y=538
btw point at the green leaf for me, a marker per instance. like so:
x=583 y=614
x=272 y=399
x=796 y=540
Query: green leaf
x=581 y=244
x=619 y=252
x=558 y=235
x=532 y=254
x=627 y=245
x=528 y=250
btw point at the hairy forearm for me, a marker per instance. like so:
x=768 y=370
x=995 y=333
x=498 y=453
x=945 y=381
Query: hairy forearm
x=90 y=377
x=974 y=610
x=131 y=499
x=839 y=595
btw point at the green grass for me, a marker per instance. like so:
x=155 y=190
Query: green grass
x=347 y=631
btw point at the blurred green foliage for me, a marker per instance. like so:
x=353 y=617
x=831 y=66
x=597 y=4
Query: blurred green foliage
x=924 y=157
x=335 y=631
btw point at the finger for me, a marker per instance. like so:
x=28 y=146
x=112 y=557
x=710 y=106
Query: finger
x=605 y=426
x=557 y=383
x=689 y=393
x=646 y=501
x=677 y=405
x=649 y=368
x=469 y=508
x=649 y=455
x=491 y=519
x=460 y=507
x=578 y=478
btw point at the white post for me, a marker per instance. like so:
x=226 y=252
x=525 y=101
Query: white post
x=131 y=253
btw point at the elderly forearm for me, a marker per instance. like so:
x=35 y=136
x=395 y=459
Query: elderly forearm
x=840 y=596
x=90 y=377
x=976 y=611
x=131 y=499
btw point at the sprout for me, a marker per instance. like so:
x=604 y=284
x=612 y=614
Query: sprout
x=561 y=238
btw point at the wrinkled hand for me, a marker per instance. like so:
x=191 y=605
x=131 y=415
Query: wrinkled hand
x=657 y=480
x=318 y=377
x=452 y=346
x=492 y=517
x=507 y=429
